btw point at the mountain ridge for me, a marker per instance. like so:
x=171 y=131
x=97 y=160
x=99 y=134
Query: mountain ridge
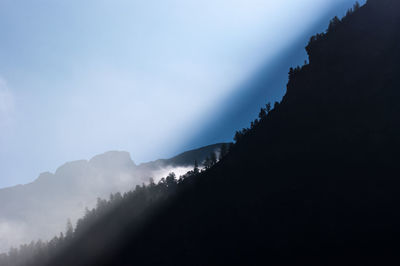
x=175 y=161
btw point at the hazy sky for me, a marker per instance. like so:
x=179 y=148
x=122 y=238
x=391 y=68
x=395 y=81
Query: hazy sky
x=80 y=77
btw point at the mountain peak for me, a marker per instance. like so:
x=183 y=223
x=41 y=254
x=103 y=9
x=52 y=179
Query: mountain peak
x=71 y=166
x=112 y=159
x=44 y=176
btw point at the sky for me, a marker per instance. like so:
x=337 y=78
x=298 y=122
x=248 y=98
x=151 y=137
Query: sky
x=81 y=77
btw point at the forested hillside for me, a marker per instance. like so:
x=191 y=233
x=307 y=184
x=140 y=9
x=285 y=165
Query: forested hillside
x=313 y=181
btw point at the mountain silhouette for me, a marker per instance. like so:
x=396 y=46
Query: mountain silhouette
x=314 y=181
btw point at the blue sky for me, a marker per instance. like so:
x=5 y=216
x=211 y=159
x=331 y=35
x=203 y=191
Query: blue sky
x=81 y=77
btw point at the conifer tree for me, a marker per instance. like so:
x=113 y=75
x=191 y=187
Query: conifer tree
x=69 y=230
x=268 y=107
x=196 y=168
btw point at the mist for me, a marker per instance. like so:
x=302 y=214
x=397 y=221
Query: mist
x=40 y=210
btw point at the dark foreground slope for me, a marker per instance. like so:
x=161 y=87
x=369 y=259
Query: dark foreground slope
x=315 y=182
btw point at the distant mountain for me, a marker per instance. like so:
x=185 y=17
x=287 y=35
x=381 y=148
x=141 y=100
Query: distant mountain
x=39 y=210
x=314 y=181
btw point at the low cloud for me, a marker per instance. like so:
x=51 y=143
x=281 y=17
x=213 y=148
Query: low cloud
x=40 y=210
x=163 y=172
x=12 y=232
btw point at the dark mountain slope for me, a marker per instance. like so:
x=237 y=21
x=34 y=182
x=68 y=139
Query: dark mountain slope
x=315 y=182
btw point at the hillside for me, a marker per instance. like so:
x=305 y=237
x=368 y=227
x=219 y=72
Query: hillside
x=313 y=182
